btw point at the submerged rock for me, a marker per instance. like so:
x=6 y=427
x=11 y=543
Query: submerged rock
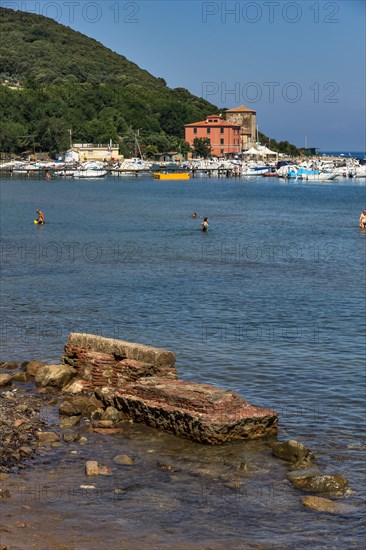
x=331 y=484
x=294 y=452
x=47 y=437
x=69 y=421
x=320 y=504
x=92 y=468
x=125 y=460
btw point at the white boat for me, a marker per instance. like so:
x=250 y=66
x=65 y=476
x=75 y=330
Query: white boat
x=89 y=173
x=86 y=170
x=293 y=171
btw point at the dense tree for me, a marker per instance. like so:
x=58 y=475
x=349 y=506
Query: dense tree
x=202 y=147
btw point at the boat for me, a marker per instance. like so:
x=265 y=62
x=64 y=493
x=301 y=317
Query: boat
x=293 y=171
x=89 y=173
x=172 y=176
x=86 y=170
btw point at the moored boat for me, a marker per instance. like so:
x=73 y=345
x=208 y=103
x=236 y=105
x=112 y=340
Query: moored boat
x=172 y=176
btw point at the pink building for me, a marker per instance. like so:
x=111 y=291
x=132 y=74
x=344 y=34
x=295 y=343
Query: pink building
x=224 y=136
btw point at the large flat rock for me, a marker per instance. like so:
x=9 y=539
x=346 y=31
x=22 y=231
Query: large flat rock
x=195 y=411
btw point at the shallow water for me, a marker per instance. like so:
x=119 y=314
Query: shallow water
x=270 y=303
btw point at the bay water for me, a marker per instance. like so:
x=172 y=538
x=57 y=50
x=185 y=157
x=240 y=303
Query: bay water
x=270 y=302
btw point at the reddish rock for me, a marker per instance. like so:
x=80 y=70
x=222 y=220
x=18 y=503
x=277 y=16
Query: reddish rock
x=103 y=362
x=107 y=431
x=196 y=411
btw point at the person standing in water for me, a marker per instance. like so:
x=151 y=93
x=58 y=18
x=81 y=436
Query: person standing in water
x=40 y=219
x=362 y=220
x=205 y=224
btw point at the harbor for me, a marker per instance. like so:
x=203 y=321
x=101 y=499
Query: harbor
x=313 y=169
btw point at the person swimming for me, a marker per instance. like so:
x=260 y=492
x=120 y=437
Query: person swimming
x=40 y=220
x=205 y=224
x=194 y=215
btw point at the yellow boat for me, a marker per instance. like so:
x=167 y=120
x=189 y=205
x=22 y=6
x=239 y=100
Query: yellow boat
x=172 y=176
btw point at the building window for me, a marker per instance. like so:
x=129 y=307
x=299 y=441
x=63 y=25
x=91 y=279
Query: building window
x=210 y=119
x=209 y=130
x=221 y=130
x=222 y=151
x=222 y=141
x=195 y=130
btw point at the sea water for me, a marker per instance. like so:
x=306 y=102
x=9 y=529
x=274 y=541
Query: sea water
x=270 y=302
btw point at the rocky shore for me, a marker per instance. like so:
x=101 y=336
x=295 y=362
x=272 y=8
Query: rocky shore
x=44 y=406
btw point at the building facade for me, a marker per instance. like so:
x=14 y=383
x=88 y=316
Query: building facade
x=88 y=151
x=247 y=120
x=224 y=136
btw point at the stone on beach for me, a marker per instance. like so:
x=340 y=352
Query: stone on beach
x=78 y=405
x=33 y=366
x=5 y=380
x=54 y=375
x=10 y=365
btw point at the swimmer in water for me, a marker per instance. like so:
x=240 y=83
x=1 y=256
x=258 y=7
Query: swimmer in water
x=40 y=219
x=205 y=224
x=194 y=215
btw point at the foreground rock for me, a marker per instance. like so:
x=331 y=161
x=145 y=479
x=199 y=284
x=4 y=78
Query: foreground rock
x=141 y=382
x=294 y=452
x=195 y=411
x=333 y=485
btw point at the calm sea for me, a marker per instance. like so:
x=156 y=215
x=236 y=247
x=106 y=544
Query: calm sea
x=346 y=154
x=270 y=302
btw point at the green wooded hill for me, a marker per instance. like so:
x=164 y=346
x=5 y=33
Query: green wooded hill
x=54 y=79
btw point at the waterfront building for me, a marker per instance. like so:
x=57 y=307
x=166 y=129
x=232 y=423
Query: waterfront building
x=247 y=120
x=224 y=136
x=88 y=151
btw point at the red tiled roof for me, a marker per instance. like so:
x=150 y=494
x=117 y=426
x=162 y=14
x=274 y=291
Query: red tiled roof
x=221 y=122
x=241 y=109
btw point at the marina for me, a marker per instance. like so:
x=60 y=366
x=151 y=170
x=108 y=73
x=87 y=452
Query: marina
x=313 y=169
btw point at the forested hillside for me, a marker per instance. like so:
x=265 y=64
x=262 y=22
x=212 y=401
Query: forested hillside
x=54 y=79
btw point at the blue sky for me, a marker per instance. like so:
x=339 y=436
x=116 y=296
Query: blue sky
x=300 y=65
